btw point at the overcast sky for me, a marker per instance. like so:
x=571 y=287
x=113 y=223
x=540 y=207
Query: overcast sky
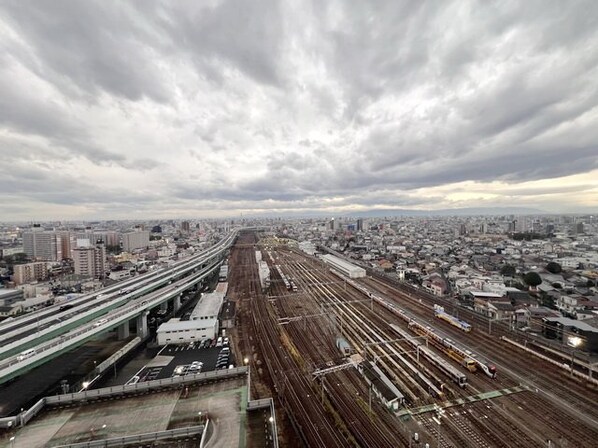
x=112 y=109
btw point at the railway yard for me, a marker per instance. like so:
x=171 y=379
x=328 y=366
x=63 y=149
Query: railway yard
x=448 y=387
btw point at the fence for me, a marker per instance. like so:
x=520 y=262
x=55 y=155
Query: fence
x=139 y=438
x=25 y=416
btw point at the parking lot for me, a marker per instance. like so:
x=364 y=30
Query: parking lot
x=178 y=360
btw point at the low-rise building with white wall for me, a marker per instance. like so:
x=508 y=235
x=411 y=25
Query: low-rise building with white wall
x=176 y=331
x=203 y=323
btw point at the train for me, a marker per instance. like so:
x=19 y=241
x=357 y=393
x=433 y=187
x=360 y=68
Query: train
x=471 y=361
x=456 y=377
x=441 y=314
x=289 y=284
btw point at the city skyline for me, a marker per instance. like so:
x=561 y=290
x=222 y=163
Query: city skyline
x=123 y=111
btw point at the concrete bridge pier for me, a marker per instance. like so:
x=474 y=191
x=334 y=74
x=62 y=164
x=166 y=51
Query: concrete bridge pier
x=142 y=324
x=176 y=303
x=123 y=331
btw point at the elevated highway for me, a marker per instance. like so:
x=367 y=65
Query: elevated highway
x=39 y=338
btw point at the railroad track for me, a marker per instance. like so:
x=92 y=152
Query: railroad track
x=499 y=421
x=313 y=425
x=545 y=376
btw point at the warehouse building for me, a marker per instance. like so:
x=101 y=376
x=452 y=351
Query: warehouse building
x=344 y=267
x=203 y=323
x=263 y=270
x=382 y=387
x=223 y=274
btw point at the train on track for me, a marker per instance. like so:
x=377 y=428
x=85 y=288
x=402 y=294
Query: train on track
x=471 y=361
x=289 y=284
x=456 y=377
x=466 y=358
x=441 y=314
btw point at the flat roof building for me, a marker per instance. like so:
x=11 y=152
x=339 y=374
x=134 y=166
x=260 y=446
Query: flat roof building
x=203 y=323
x=344 y=267
x=10 y=296
x=135 y=240
x=29 y=272
x=43 y=245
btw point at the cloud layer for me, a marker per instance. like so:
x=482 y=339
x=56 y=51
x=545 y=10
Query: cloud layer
x=171 y=109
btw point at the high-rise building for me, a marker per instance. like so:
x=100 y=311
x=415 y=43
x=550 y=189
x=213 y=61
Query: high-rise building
x=360 y=225
x=135 y=240
x=25 y=273
x=108 y=237
x=43 y=245
x=90 y=261
x=68 y=242
x=185 y=226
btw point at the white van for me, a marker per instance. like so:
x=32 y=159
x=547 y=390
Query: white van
x=26 y=354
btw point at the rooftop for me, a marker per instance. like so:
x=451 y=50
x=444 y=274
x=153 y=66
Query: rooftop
x=340 y=262
x=565 y=321
x=208 y=305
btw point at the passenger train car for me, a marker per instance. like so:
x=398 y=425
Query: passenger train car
x=472 y=361
x=441 y=314
x=457 y=377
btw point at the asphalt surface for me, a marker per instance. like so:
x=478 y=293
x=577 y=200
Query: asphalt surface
x=27 y=389
x=182 y=355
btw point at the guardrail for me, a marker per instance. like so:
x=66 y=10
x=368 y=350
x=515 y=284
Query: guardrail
x=139 y=438
x=115 y=301
x=266 y=403
x=95 y=394
x=144 y=386
x=11 y=366
x=259 y=404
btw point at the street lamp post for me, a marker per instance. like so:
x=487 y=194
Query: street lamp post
x=246 y=362
x=271 y=435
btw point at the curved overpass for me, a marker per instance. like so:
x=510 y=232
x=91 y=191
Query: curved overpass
x=50 y=338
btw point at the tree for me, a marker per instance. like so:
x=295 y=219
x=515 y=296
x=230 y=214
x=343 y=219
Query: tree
x=116 y=249
x=553 y=267
x=532 y=279
x=507 y=270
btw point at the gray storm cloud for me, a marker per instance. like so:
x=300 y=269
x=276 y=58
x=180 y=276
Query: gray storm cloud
x=228 y=105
